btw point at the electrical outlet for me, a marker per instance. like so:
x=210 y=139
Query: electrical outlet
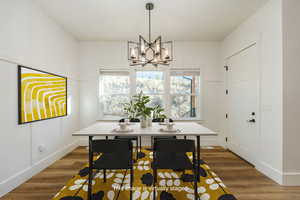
x=42 y=148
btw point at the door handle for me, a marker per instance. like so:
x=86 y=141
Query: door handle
x=251 y=121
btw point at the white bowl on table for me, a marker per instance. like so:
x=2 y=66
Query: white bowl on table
x=123 y=128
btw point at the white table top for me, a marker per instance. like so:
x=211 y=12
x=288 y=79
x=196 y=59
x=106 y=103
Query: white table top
x=106 y=129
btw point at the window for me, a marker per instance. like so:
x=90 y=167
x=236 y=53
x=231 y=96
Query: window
x=114 y=91
x=176 y=90
x=152 y=84
x=185 y=91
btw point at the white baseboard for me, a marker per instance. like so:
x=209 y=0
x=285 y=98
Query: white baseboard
x=270 y=172
x=21 y=177
x=282 y=178
x=291 y=179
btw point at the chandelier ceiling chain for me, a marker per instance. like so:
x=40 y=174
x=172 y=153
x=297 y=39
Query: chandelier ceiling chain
x=148 y=52
x=149 y=11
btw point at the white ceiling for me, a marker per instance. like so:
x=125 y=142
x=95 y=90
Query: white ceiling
x=173 y=19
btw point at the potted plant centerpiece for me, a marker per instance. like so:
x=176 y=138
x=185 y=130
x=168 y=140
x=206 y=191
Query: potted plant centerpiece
x=158 y=112
x=137 y=108
x=142 y=110
x=130 y=109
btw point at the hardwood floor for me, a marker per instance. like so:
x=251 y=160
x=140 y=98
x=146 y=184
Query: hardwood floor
x=46 y=184
x=245 y=182
x=242 y=179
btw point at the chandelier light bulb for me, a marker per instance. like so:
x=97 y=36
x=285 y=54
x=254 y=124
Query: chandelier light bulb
x=132 y=53
x=157 y=49
x=143 y=49
x=166 y=54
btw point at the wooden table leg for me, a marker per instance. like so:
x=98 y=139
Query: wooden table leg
x=198 y=158
x=90 y=169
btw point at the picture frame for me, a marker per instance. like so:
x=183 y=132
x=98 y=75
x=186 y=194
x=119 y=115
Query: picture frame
x=41 y=95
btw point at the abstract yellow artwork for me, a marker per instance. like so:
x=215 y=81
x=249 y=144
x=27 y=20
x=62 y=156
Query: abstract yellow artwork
x=42 y=95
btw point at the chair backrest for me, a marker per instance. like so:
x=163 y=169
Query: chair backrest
x=174 y=145
x=161 y=120
x=111 y=146
x=131 y=120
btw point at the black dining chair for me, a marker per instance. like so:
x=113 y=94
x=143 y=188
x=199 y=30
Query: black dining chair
x=131 y=120
x=172 y=154
x=114 y=154
x=137 y=139
x=160 y=120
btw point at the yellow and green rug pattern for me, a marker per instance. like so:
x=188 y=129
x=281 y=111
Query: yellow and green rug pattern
x=171 y=185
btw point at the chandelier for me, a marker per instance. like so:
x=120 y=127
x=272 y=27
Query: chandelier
x=146 y=52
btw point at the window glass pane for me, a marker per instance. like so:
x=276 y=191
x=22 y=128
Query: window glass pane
x=183 y=106
x=114 y=84
x=150 y=82
x=183 y=84
x=113 y=104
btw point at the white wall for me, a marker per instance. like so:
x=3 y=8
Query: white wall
x=205 y=55
x=29 y=37
x=264 y=27
x=291 y=97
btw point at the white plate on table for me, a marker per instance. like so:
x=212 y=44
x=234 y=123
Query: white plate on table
x=164 y=123
x=118 y=130
x=127 y=123
x=169 y=130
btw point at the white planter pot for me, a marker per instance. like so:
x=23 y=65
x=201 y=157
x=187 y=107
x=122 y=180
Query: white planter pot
x=144 y=123
x=149 y=122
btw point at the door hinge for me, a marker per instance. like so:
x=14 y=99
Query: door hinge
x=226 y=116
x=226 y=91
x=226 y=139
x=226 y=68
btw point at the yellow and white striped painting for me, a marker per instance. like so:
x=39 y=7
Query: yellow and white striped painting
x=41 y=95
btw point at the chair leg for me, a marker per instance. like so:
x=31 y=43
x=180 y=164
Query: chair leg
x=104 y=175
x=90 y=179
x=131 y=183
x=195 y=185
x=154 y=183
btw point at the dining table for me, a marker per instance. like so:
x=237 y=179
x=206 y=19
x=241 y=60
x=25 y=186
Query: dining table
x=182 y=129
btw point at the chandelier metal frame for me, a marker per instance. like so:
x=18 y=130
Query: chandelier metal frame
x=146 y=52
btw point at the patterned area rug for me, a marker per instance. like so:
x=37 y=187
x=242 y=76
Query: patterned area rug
x=171 y=185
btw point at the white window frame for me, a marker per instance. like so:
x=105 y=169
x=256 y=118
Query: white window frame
x=167 y=96
x=100 y=103
x=197 y=94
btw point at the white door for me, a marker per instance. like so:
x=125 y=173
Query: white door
x=243 y=103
